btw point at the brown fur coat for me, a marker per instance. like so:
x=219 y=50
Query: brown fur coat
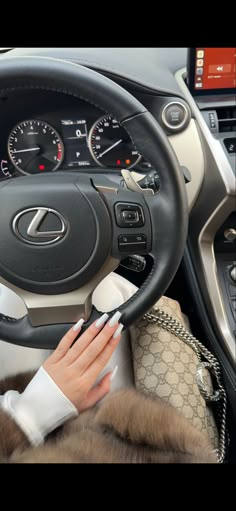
x=127 y=427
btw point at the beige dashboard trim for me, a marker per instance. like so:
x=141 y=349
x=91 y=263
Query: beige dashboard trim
x=218 y=216
x=188 y=149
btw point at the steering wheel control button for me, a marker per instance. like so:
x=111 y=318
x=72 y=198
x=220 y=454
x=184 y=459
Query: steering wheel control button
x=135 y=263
x=129 y=215
x=175 y=116
x=132 y=242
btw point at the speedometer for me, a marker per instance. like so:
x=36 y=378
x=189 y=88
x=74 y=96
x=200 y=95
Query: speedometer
x=35 y=146
x=110 y=145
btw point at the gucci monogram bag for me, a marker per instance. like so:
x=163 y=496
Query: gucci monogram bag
x=169 y=362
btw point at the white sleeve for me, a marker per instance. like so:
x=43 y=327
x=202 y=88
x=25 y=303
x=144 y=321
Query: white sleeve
x=40 y=409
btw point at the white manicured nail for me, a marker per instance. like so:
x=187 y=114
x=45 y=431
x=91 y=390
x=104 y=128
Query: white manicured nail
x=118 y=331
x=78 y=325
x=115 y=319
x=102 y=320
x=114 y=373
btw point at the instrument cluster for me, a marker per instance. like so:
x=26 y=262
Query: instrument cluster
x=76 y=142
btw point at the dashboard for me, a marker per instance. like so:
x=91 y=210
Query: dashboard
x=42 y=131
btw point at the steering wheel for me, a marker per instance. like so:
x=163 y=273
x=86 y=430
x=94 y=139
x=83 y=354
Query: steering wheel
x=62 y=233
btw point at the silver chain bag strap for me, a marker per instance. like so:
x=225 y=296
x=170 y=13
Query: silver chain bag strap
x=169 y=362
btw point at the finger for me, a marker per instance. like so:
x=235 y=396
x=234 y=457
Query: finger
x=91 y=374
x=96 y=346
x=66 y=342
x=97 y=393
x=86 y=338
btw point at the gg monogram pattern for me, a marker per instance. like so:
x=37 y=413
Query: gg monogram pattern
x=165 y=366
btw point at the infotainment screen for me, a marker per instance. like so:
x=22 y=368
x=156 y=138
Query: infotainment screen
x=212 y=71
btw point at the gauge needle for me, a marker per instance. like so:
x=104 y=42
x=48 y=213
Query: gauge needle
x=27 y=150
x=109 y=148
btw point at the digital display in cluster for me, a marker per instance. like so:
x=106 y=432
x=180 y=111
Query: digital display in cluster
x=74 y=132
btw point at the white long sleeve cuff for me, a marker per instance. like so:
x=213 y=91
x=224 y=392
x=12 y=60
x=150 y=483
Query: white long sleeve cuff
x=40 y=409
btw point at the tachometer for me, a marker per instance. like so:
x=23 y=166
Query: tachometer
x=35 y=146
x=110 y=144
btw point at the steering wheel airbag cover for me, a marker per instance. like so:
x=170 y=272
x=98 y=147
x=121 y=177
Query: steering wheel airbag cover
x=65 y=265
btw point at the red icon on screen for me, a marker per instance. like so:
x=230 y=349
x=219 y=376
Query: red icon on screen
x=220 y=68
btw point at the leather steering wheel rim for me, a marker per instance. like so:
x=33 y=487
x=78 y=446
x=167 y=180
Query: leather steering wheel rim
x=167 y=210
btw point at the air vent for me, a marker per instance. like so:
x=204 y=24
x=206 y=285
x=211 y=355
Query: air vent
x=226 y=118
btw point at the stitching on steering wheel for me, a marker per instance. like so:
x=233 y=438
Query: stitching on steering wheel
x=53 y=89
x=140 y=289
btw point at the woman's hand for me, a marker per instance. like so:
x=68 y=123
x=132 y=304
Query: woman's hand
x=75 y=367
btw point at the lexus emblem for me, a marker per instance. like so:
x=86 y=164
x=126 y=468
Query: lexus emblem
x=26 y=225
